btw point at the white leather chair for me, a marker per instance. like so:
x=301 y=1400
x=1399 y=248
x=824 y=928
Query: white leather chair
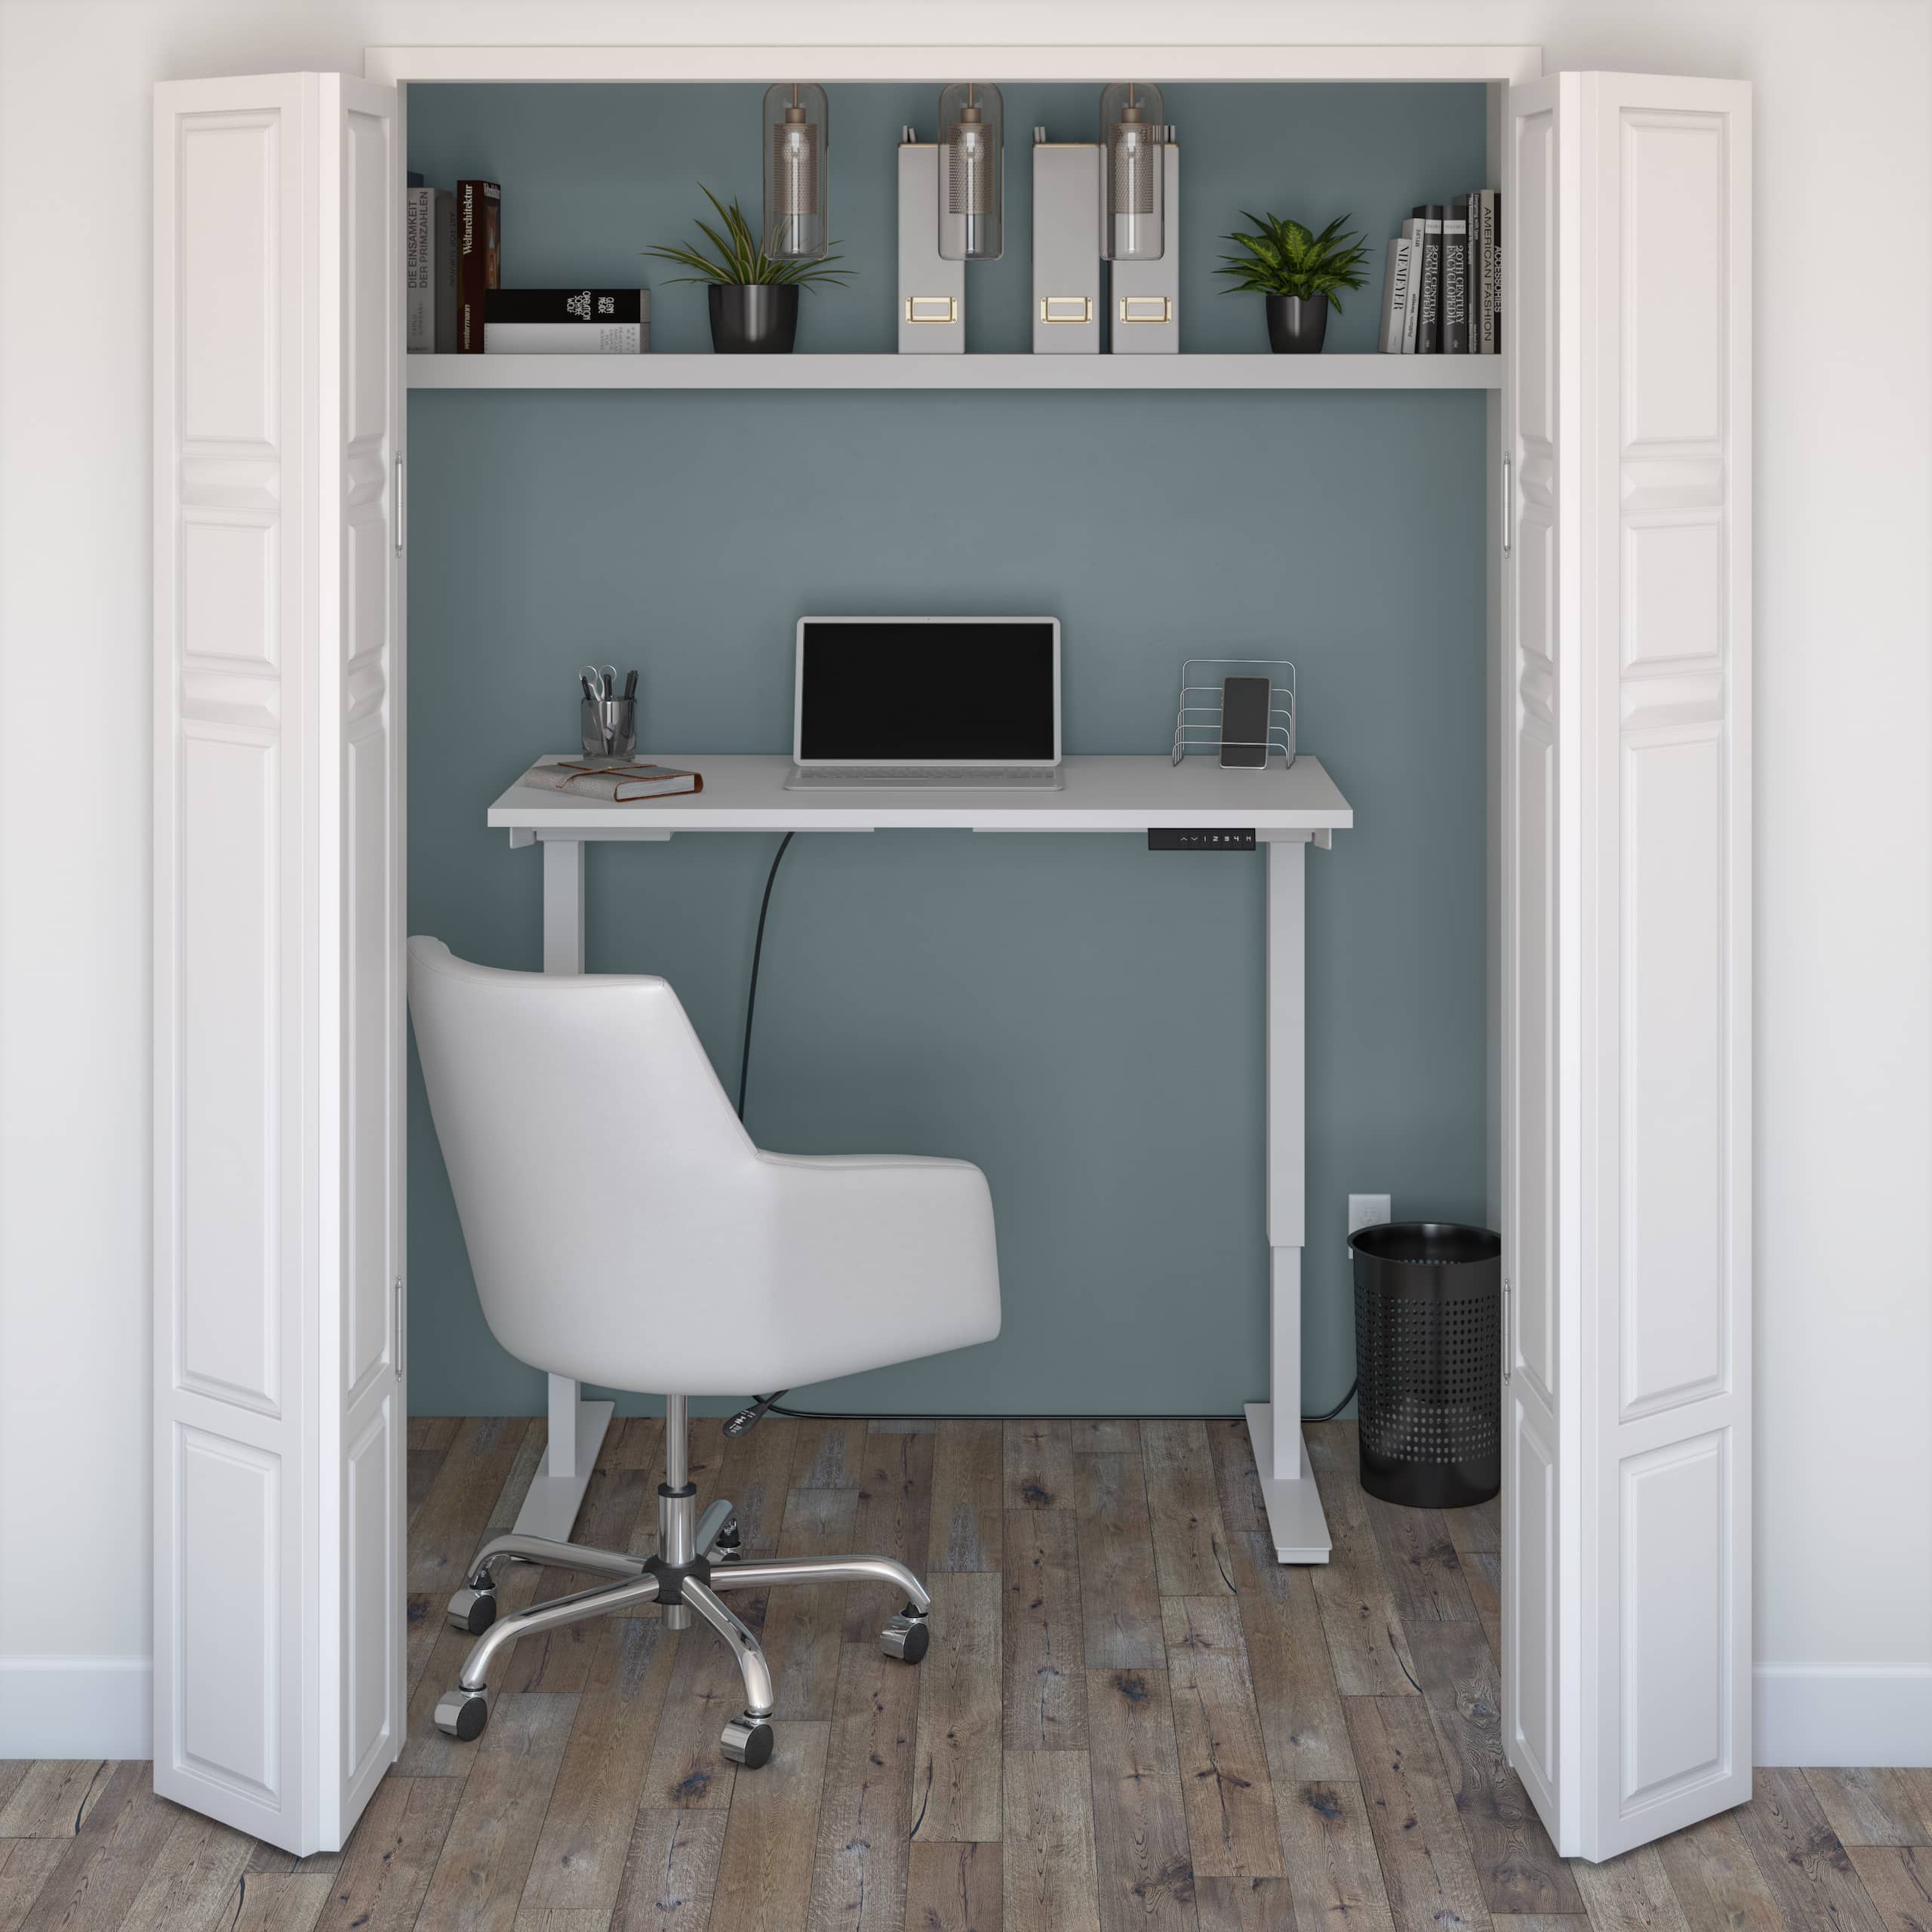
x=623 y=1228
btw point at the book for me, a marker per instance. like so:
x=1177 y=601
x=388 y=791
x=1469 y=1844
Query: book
x=1395 y=296
x=1413 y=233
x=1456 y=277
x=1429 y=321
x=1497 y=311
x=1483 y=252
x=479 y=257
x=620 y=782
x=430 y=295
x=567 y=321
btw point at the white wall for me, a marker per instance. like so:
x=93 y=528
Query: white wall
x=1843 y=171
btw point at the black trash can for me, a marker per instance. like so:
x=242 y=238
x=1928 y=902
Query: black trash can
x=1429 y=1353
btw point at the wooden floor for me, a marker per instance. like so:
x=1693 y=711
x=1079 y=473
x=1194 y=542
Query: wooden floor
x=1132 y=1720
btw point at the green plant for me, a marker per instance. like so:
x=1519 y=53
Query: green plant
x=1284 y=258
x=740 y=260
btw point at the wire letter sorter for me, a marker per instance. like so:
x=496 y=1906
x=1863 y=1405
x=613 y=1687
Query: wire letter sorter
x=1197 y=722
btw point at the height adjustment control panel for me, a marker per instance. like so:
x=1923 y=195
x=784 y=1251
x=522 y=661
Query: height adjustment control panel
x=1189 y=838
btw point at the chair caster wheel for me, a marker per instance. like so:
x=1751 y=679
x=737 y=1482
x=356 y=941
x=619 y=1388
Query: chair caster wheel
x=747 y=1741
x=473 y=1610
x=906 y=1637
x=462 y=1714
x=729 y=1540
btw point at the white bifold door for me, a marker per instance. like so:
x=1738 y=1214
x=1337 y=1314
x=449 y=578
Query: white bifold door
x=1627 y=730
x=278 y=1410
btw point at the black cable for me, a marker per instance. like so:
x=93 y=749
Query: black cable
x=1340 y=1406
x=751 y=993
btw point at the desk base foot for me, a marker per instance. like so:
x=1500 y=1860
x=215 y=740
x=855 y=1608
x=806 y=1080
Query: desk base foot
x=550 y=1508
x=1296 y=1524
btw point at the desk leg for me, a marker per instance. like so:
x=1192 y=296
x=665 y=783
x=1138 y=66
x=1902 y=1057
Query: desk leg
x=1295 y=1520
x=577 y=1427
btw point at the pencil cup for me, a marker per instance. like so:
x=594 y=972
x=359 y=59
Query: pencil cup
x=610 y=726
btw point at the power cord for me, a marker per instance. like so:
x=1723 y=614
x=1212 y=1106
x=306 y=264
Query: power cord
x=758 y=953
x=747 y=1418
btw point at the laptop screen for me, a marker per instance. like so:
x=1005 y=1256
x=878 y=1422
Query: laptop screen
x=899 y=690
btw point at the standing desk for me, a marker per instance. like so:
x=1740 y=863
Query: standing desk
x=1287 y=811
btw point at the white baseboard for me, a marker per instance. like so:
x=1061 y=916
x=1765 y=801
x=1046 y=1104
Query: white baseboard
x=1843 y=1714
x=76 y=1707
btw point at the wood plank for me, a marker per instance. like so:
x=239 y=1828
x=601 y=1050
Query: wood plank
x=280 y=1901
x=968 y=1509
x=1419 y=1559
x=479 y=1875
x=1047 y=1843
x=558 y=1662
x=1333 y=1873
x=193 y=1883
x=957 y=1773
x=422 y=1623
x=1182 y=1511
x=1898 y=1881
x=1243 y=1905
x=13 y=1770
x=764 y=1874
x=865 y=1817
x=1038 y=1465
x=1043 y=1638
x=804 y=1623
x=895 y=1520
x=1516 y=1861
x=1287 y=1662
x=1875 y=1805
x=954 y=1888
x=392 y=1854
x=1631 y=1894
x=549 y=1918
x=670 y=1871
x=900 y=1424
x=579 y=1862
x=1365 y=1641
x=687 y=1770
x=1098 y=1436
x=1425 y=1861
x=1800 y=1855
x=1120 y=1603
x=1145 y=1868
x=26 y=1865
x=516 y=1485
x=1715 y=1880
x=450 y=1525
x=1230 y=1797
x=430 y=1437
x=53 y=1797
x=828 y=1455
x=106 y=1862
x=1237 y=1482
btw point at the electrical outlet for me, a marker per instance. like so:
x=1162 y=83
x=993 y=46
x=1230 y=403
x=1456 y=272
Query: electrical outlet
x=1367 y=1211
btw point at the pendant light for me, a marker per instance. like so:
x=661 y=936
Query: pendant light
x=1133 y=134
x=794 y=171
x=972 y=198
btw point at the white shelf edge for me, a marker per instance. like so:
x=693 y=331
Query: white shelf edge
x=893 y=371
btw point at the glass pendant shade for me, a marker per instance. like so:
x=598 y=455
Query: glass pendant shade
x=1133 y=172
x=794 y=171
x=972 y=192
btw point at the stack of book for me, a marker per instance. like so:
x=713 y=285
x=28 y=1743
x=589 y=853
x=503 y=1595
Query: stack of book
x=454 y=256
x=1442 y=295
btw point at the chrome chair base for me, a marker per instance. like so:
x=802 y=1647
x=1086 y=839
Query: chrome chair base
x=696 y=1558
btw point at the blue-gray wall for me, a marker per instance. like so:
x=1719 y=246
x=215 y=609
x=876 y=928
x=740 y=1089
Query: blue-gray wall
x=1078 y=1015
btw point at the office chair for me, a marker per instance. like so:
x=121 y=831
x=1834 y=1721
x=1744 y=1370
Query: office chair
x=623 y=1228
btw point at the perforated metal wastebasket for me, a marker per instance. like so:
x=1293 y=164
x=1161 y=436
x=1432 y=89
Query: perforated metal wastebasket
x=1428 y=1350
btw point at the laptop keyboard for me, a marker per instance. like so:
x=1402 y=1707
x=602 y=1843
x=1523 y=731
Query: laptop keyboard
x=925 y=778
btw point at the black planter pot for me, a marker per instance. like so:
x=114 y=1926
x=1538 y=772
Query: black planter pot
x=1296 y=323
x=753 y=320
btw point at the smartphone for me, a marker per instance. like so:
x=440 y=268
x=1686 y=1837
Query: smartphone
x=1244 y=723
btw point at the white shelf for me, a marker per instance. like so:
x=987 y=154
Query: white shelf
x=954 y=372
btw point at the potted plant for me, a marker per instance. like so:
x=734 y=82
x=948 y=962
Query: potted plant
x=753 y=298
x=1300 y=273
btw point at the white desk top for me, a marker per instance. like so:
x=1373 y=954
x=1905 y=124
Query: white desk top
x=747 y=794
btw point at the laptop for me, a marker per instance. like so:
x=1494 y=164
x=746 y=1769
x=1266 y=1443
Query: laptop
x=955 y=704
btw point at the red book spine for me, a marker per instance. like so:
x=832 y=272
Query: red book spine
x=479 y=257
